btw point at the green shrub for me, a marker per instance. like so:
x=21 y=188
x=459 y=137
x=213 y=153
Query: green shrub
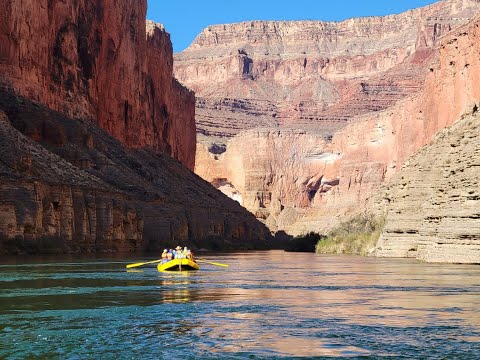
x=358 y=236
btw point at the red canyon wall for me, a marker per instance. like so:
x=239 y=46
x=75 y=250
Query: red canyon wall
x=358 y=125
x=91 y=119
x=310 y=74
x=367 y=94
x=374 y=147
x=92 y=59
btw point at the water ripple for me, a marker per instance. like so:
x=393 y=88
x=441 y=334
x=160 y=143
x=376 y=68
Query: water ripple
x=264 y=306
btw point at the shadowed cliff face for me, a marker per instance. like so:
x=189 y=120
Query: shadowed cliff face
x=75 y=188
x=89 y=116
x=92 y=59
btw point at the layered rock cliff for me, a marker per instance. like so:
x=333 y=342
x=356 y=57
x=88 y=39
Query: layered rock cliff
x=89 y=116
x=366 y=94
x=374 y=146
x=93 y=59
x=310 y=73
x=79 y=189
x=433 y=204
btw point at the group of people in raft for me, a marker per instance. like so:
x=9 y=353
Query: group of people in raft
x=177 y=253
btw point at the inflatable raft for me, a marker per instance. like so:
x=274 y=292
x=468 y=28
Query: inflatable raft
x=178 y=265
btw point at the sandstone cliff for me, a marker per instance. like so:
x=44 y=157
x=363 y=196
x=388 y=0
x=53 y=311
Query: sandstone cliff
x=334 y=110
x=310 y=73
x=93 y=59
x=78 y=189
x=374 y=146
x=368 y=116
x=433 y=204
x=89 y=116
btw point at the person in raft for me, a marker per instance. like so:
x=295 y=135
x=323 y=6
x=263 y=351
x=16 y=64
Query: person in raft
x=188 y=253
x=177 y=253
x=184 y=253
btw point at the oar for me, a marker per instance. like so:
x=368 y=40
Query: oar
x=129 y=266
x=212 y=263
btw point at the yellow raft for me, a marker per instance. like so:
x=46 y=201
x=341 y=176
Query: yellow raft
x=178 y=265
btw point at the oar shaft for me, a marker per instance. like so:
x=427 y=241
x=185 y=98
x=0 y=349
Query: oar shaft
x=212 y=263
x=129 y=266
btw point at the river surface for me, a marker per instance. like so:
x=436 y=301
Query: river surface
x=266 y=305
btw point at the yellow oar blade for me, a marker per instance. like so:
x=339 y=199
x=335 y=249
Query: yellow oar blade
x=129 y=266
x=212 y=263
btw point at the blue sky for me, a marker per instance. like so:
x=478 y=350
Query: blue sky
x=184 y=19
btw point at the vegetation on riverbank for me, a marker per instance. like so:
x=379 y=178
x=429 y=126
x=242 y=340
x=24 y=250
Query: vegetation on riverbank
x=358 y=236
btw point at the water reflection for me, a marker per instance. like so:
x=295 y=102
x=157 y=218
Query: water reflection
x=176 y=288
x=266 y=305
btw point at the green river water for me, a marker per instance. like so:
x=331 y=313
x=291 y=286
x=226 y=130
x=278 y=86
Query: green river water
x=266 y=305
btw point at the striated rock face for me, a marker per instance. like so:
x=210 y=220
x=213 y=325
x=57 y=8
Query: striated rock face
x=92 y=59
x=270 y=170
x=433 y=204
x=78 y=189
x=89 y=116
x=310 y=73
x=365 y=126
x=374 y=146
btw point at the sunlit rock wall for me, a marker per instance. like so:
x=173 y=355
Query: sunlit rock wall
x=98 y=60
